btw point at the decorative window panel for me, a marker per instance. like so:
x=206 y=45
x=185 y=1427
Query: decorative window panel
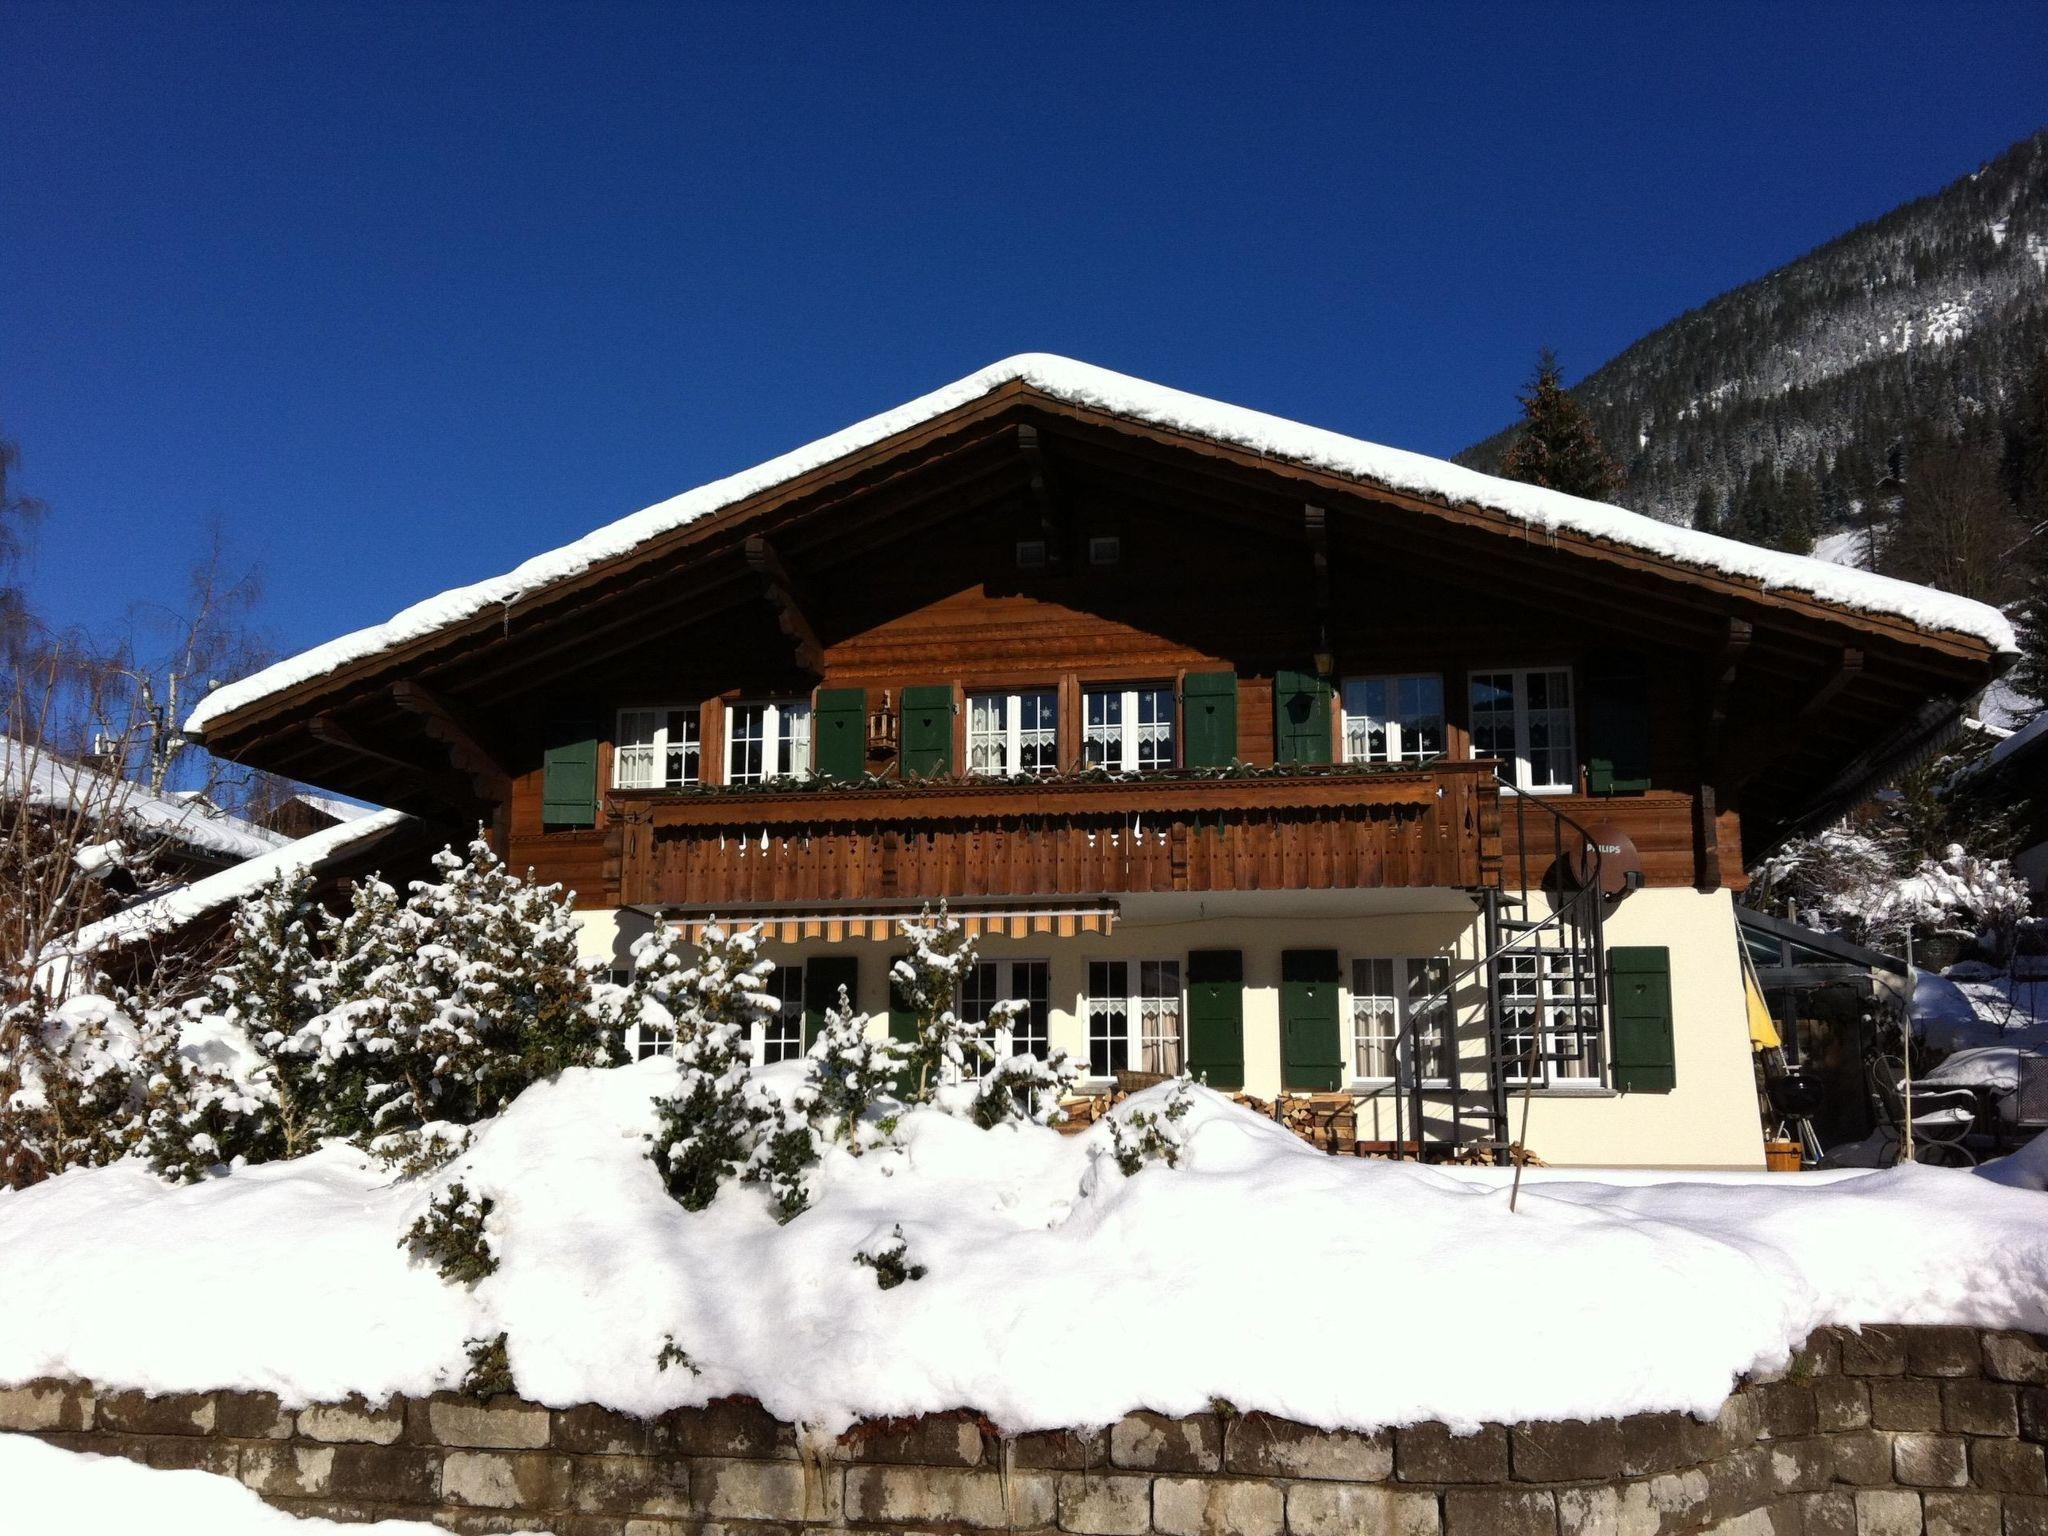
x=1523 y=717
x=1390 y=996
x=1540 y=1013
x=656 y=749
x=1010 y=733
x=1128 y=730
x=1396 y=719
x=1134 y=1017
x=768 y=741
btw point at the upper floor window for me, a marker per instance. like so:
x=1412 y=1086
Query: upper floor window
x=1524 y=718
x=1394 y=719
x=1128 y=729
x=768 y=741
x=1013 y=732
x=655 y=749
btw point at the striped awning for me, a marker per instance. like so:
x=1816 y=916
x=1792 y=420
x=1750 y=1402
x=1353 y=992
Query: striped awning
x=1007 y=921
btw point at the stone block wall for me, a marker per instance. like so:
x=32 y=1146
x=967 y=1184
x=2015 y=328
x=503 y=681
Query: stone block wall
x=1891 y=1432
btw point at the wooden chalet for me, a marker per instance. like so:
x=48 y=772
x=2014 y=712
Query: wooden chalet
x=1307 y=764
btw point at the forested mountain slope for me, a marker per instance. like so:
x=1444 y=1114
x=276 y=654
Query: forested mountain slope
x=1921 y=320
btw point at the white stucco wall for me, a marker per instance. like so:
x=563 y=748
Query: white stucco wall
x=1709 y=1120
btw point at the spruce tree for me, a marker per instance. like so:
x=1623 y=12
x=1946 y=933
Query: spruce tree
x=271 y=991
x=2030 y=674
x=1556 y=445
x=944 y=1046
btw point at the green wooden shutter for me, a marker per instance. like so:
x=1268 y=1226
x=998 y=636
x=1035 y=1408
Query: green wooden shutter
x=1209 y=706
x=902 y=1028
x=839 y=732
x=1617 y=733
x=1311 y=1044
x=927 y=732
x=1301 y=718
x=568 y=791
x=1216 y=1017
x=1639 y=1010
x=823 y=977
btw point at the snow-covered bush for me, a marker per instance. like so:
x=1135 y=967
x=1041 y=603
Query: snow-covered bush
x=944 y=1047
x=849 y=1072
x=784 y=1150
x=1025 y=1088
x=452 y=1236
x=70 y=1086
x=888 y=1255
x=707 y=1125
x=209 y=1095
x=1863 y=885
x=1141 y=1137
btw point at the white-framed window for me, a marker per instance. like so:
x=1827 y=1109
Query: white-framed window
x=1134 y=1017
x=768 y=740
x=1539 y=1009
x=656 y=749
x=1028 y=984
x=1128 y=729
x=1013 y=732
x=1397 y=719
x=1523 y=716
x=780 y=1036
x=1389 y=995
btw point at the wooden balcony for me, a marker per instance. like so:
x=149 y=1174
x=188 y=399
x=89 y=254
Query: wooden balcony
x=1339 y=829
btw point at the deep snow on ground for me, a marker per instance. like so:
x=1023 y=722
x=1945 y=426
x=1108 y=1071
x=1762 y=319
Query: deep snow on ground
x=1260 y=1271
x=48 y=1492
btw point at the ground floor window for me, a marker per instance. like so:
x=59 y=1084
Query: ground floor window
x=781 y=1034
x=1541 y=1014
x=1025 y=1029
x=1389 y=997
x=1134 y=1017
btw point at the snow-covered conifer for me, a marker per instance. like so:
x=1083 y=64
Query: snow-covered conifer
x=707 y=1125
x=1025 y=1088
x=849 y=1071
x=927 y=980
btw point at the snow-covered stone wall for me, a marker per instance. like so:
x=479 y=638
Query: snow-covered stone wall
x=1884 y=1433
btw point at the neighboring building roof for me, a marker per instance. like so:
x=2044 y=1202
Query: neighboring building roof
x=147 y=921
x=187 y=820
x=2024 y=742
x=1082 y=385
x=330 y=805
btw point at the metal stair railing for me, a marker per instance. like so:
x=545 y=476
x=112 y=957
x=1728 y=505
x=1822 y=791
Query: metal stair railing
x=1575 y=919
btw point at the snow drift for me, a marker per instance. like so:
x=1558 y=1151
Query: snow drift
x=1058 y=1291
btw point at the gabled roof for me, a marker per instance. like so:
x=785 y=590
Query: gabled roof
x=1538 y=511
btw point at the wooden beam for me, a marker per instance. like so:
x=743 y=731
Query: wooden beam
x=451 y=726
x=1054 y=519
x=784 y=593
x=1315 y=521
x=443 y=787
x=1734 y=646
x=1846 y=671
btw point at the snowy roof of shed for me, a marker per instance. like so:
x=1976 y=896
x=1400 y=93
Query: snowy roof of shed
x=1086 y=386
x=42 y=777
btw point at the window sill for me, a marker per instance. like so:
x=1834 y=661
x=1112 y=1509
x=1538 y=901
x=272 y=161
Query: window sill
x=1376 y=1087
x=1566 y=1091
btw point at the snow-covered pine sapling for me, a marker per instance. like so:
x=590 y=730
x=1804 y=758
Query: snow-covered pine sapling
x=452 y=1235
x=706 y=1129
x=1025 y=1088
x=208 y=1098
x=888 y=1255
x=421 y=1150
x=1147 y=1136
x=849 y=1072
x=490 y=1369
x=784 y=1151
x=72 y=1077
x=927 y=982
x=270 y=990
x=672 y=1353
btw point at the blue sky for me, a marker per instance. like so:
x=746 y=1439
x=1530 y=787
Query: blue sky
x=403 y=293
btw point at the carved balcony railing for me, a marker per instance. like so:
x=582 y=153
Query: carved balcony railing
x=1335 y=829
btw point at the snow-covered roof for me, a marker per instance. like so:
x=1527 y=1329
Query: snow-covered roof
x=43 y=778
x=2025 y=739
x=330 y=805
x=1083 y=384
x=148 y=920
